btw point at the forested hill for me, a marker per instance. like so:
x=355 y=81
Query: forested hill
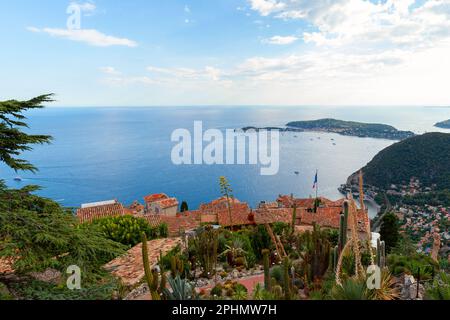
x=443 y=124
x=425 y=157
x=351 y=128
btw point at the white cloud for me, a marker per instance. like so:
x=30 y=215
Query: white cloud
x=109 y=71
x=89 y=36
x=184 y=74
x=280 y=40
x=267 y=7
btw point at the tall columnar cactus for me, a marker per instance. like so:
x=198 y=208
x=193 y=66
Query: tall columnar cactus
x=294 y=218
x=152 y=278
x=343 y=227
x=266 y=262
x=206 y=245
x=176 y=266
x=286 y=281
x=335 y=257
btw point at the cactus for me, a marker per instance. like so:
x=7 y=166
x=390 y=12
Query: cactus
x=335 y=253
x=176 y=266
x=277 y=292
x=286 y=284
x=343 y=228
x=154 y=283
x=152 y=278
x=267 y=280
x=294 y=219
x=206 y=244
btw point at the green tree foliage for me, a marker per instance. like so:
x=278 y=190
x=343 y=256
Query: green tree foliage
x=38 y=233
x=390 y=231
x=13 y=140
x=128 y=229
x=184 y=206
x=424 y=157
x=413 y=264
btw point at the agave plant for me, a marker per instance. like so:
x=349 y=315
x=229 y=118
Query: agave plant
x=387 y=289
x=258 y=293
x=181 y=289
x=233 y=251
x=440 y=289
x=240 y=294
x=351 y=289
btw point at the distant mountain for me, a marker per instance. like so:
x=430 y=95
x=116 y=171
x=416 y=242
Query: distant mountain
x=350 y=128
x=443 y=124
x=425 y=157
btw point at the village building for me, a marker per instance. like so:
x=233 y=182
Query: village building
x=91 y=211
x=161 y=204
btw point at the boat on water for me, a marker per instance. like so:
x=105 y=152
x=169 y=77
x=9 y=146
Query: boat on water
x=297 y=173
x=18 y=179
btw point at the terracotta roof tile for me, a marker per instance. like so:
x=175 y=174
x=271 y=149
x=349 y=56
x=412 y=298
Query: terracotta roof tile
x=240 y=215
x=155 y=197
x=168 y=203
x=186 y=221
x=91 y=213
x=263 y=216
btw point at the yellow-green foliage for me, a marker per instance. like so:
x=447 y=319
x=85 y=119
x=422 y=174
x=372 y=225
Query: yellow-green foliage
x=128 y=229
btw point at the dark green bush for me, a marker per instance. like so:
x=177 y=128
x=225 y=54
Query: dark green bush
x=217 y=290
x=412 y=264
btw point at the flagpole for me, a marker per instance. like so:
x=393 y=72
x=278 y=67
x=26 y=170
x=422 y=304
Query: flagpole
x=317 y=184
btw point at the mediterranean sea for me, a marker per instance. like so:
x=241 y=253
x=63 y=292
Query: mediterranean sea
x=125 y=153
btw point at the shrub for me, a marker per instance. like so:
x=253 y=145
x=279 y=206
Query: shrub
x=351 y=289
x=277 y=274
x=163 y=230
x=217 y=290
x=127 y=229
x=440 y=288
x=250 y=256
x=280 y=227
x=260 y=240
x=412 y=264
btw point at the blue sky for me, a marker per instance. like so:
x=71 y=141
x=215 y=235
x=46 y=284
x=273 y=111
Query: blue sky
x=227 y=52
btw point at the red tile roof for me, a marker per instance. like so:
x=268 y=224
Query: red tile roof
x=217 y=205
x=263 y=216
x=240 y=215
x=168 y=203
x=186 y=221
x=288 y=202
x=91 y=213
x=155 y=197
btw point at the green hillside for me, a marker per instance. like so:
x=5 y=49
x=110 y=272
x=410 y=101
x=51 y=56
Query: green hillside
x=426 y=157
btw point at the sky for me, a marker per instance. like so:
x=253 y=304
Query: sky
x=226 y=52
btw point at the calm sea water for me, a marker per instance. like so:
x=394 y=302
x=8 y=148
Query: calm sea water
x=124 y=153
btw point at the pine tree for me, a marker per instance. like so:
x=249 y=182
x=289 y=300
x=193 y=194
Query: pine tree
x=13 y=140
x=390 y=231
